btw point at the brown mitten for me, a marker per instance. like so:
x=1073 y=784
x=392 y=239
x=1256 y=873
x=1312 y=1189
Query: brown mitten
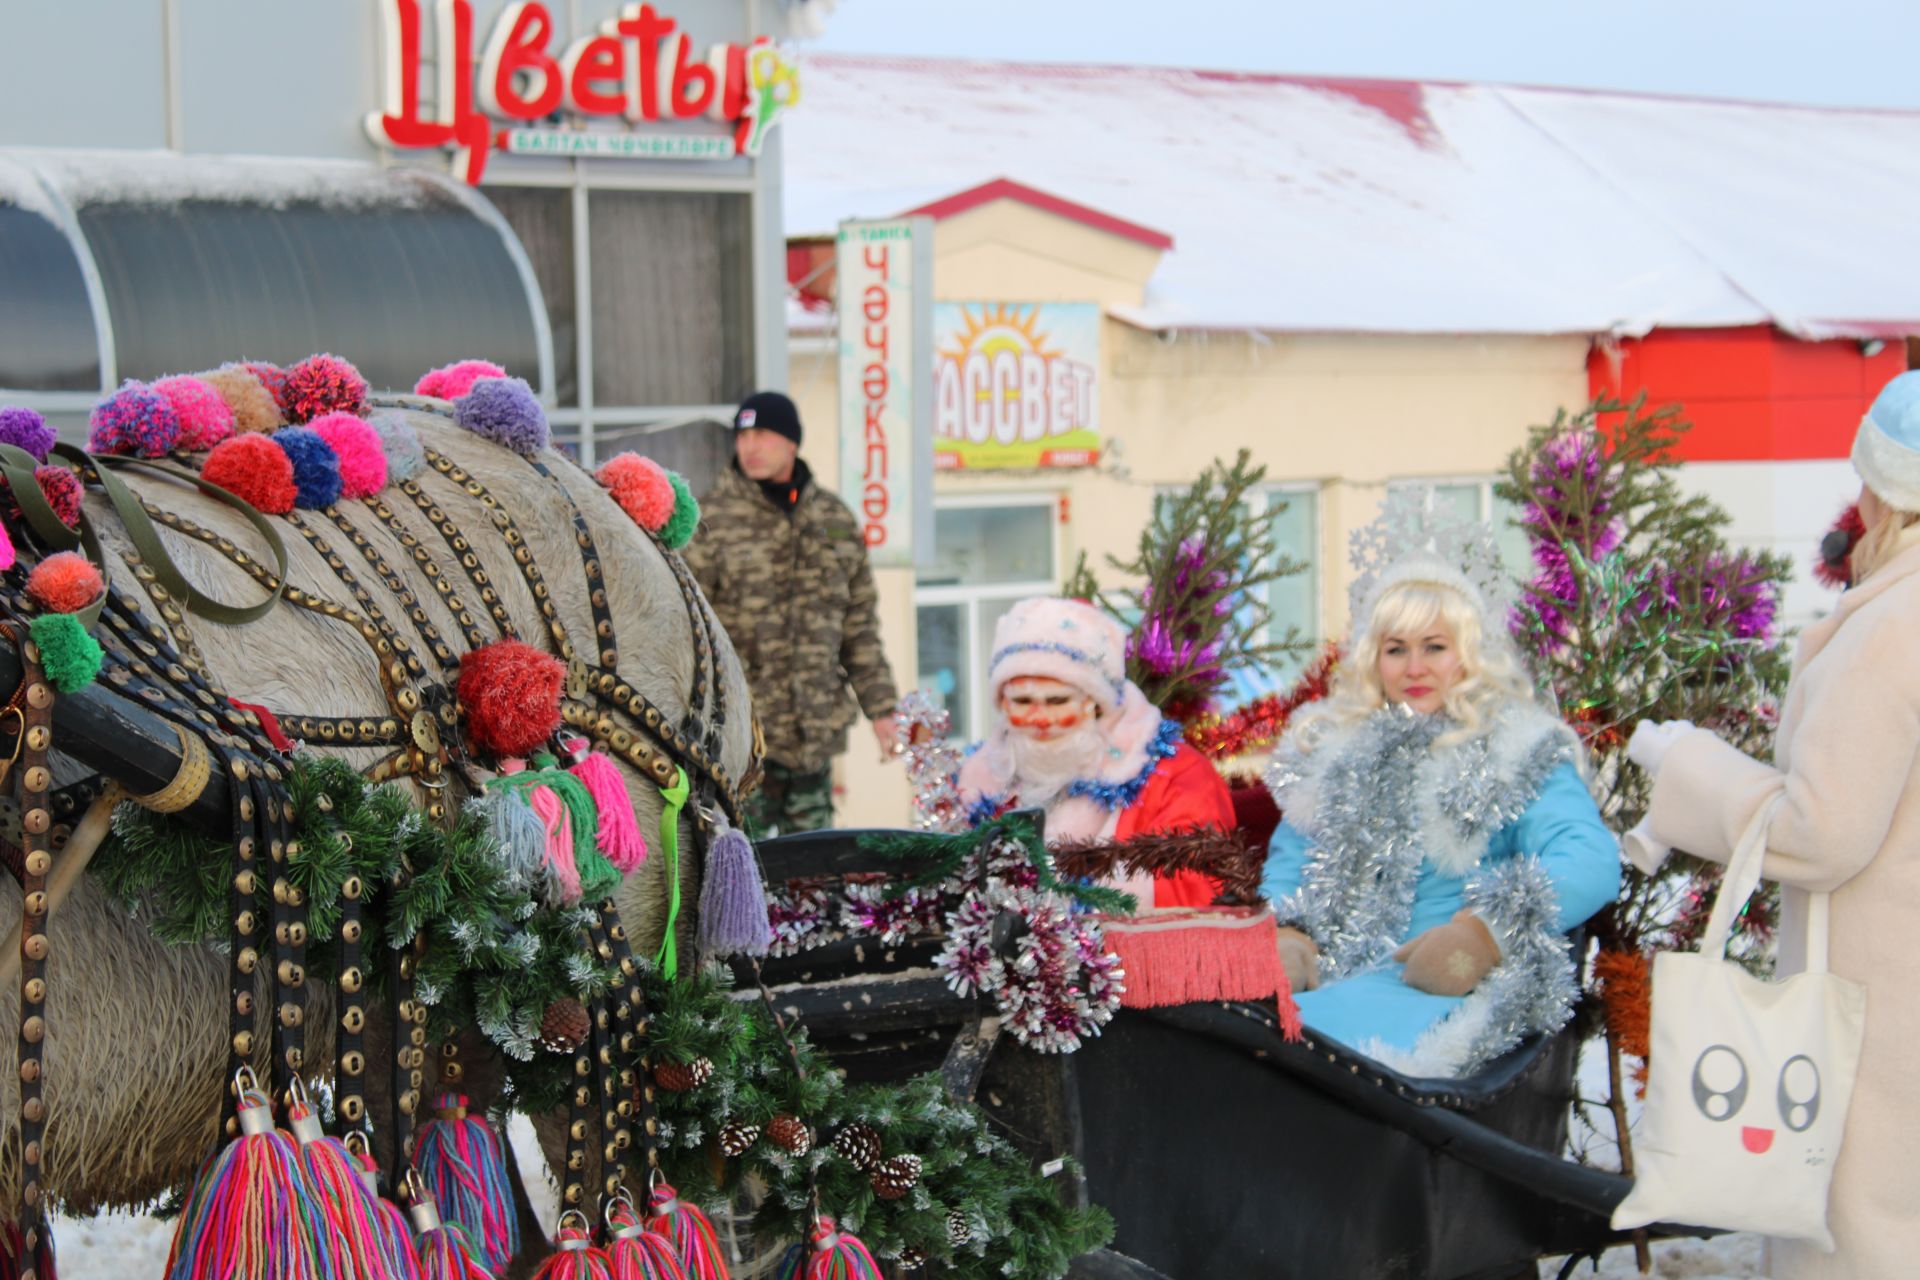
x=1450 y=959
x=1300 y=957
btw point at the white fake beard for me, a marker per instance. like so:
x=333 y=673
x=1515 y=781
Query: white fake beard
x=1042 y=770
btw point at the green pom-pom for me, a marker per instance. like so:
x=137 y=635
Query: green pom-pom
x=71 y=657
x=677 y=532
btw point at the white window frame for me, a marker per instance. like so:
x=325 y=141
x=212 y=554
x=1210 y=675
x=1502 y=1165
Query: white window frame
x=1315 y=490
x=972 y=597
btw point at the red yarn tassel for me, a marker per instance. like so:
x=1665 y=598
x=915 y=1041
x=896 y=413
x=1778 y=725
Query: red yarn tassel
x=637 y=1253
x=617 y=833
x=693 y=1238
x=444 y=1251
x=834 y=1255
x=576 y=1258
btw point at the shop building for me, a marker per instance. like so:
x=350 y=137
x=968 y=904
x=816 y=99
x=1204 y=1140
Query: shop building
x=1365 y=283
x=586 y=192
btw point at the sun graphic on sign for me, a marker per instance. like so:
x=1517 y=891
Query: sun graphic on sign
x=1013 y=329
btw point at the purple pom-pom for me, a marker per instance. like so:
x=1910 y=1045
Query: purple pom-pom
x=24 y=429
x=505 y=411
x=316 y=467
x=135 y=419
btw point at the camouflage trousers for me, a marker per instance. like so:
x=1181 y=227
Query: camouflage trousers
x=790 y=800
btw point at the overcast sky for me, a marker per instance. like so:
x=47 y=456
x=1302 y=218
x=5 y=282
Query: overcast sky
x=1850 y=52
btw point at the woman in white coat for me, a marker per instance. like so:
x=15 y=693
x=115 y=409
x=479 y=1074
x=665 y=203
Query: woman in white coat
x=1847 y=773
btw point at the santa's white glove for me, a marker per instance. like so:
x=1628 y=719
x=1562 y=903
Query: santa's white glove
x=1652 y=740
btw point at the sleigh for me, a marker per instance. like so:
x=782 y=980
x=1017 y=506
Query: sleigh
x=1219 y=1146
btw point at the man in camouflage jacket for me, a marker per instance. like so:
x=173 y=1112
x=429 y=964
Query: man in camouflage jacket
x=784 y=566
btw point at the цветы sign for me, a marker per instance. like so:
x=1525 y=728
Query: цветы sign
x=1014 y=384
x=638 y=67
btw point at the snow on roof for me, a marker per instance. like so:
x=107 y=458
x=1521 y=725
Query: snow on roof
x=163 y=177
x=1392 y=206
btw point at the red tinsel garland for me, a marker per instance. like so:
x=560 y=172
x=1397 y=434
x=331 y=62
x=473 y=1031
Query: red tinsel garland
x=1259 y=724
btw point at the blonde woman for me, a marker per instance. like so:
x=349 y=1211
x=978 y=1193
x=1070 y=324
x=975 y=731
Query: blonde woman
x=1846 y=769
x=1437 y=840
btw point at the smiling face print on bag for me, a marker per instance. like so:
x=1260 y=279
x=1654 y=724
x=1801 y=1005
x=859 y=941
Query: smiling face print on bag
x=1777 y=1111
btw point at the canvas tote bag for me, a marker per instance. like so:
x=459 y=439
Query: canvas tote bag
x=1748 y=1080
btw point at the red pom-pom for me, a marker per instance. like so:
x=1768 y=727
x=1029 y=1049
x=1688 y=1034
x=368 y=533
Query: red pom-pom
x=363 y=462
x=254 y=469
x=451 y=381
x=65 y=582
x=641 y=487
x=511 y=692
x=323 y=384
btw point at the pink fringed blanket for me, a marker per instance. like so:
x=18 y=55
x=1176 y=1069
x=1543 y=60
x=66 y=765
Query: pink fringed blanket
x=1189 y=954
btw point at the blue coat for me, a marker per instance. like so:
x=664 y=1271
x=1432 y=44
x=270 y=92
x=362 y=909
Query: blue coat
x=1375 y=1009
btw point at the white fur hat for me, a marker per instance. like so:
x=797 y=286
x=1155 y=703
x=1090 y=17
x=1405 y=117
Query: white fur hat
x=1886 y=449
x=1063 y=640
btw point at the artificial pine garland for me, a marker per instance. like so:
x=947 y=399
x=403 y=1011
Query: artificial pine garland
x=496 y=957
x=1016 y=1223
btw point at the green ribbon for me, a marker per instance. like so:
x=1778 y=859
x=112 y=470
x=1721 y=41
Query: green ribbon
x=673 y=800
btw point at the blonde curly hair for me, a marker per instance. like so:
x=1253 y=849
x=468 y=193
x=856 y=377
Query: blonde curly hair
x=1490 y=672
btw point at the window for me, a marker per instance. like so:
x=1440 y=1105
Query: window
x=543 y=219
x=988 y=553
x=1474 y=499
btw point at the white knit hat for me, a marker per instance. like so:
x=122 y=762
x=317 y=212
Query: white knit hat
x=1886 y=449
x=1063 y=640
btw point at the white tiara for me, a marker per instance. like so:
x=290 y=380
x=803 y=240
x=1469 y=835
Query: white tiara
x=1416 y=538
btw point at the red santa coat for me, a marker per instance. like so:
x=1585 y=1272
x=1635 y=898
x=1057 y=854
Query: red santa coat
x=1184 y=792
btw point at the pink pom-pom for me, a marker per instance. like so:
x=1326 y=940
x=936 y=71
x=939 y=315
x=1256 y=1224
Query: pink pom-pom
x=451 y=381
x=65 y=582
x=363 y=461
x=6 y=548
x=323 y=384
x=641 y=487
x=205 y=417
x=63 y=492
x=254 y=469
x=135 y=419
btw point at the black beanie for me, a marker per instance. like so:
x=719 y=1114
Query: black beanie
x=769 y=411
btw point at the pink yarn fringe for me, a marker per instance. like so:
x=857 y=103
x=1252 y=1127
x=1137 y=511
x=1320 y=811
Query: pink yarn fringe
x=552 y=811
x=618 y=834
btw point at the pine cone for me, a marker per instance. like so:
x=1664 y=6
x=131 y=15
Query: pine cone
x=957 y=1229
x=735 y=1137
x=678 y=1077
x=912 y=1259
x=790 y=1135
x=564 y=1026
x=894 y=1177
x=859 y=1143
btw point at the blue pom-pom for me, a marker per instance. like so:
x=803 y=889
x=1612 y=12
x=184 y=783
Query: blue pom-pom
x=316 y=467
x=505 y=411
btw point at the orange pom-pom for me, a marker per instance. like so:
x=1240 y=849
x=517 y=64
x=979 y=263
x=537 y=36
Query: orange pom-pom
x=641 y=487
x=511 y=692
x=65 y=582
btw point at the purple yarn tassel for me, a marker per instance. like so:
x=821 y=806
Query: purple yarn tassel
x=733 y=901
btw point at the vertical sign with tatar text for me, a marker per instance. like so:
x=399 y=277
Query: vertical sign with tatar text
x=885 y=274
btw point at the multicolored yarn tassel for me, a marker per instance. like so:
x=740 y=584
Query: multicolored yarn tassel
x=616 y=832
x=445 y=1253
x=733 y=901
x=637 y=1253
x=575 y=1258
x=394 y=1231
x=352 y=1214
x=687 y=1229
x=672 y=800
x=558 y=824
x=252 y=1214
x=464 y=1165
x=833 y=1255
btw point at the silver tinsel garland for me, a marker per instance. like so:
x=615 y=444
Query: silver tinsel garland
x=1377 y=801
